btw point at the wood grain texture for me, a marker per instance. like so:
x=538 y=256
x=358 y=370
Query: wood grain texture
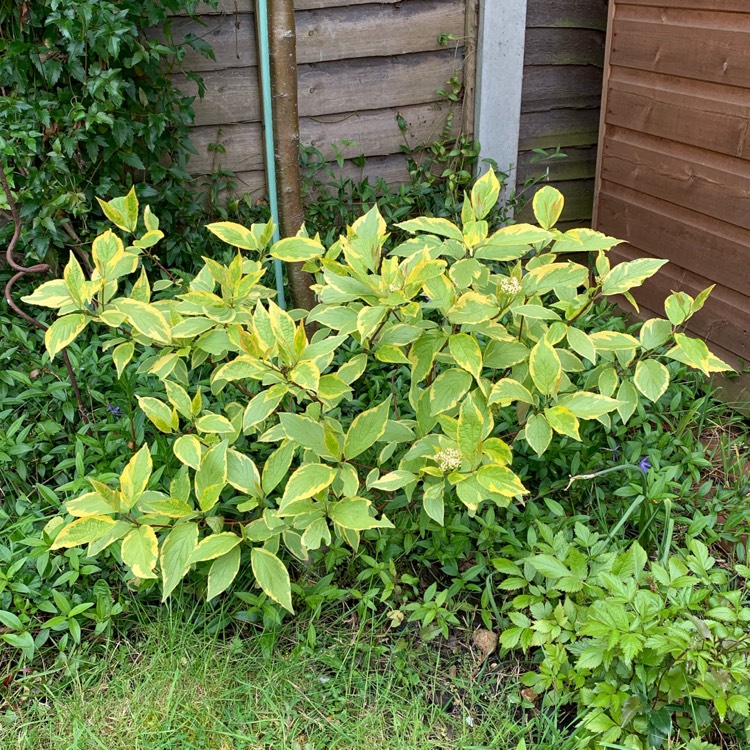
x=658 y=41
x=679 y=174
x=232 y=96
x=579 y=198
x=710 y=116
x=564 y=47
x=550 y=87
x=565 y=127
x=331 y=34
x=577 y=14
x=372 y=133
x=674 y=173
x=228 y=7
x=578 y=164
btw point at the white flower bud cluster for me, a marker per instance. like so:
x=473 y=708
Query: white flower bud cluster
x=510 y=285
x=448 y=459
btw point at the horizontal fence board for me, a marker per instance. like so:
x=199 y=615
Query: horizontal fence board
x=715 y=55
x=564 y=47
x=718 y=186
x=735 y=6
x=550 y=87
x=564 y=127
x=328 y=88
x=715 y=118
x=686 y=239
x=374 y=133
x=332 y=34
x=725 y=319
x=579 y=14
x=578 y=164
x=391 y=169
x=579 y=199
x=228 y=7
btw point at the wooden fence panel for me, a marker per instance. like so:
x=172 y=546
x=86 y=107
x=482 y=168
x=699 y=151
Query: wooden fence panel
x=360 y=66
x=562 y=95
x=673 y=178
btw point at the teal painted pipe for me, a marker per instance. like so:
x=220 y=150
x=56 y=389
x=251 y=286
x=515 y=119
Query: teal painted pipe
x=264 y=59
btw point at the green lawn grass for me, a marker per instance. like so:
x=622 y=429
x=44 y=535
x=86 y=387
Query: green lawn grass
x=170 y=687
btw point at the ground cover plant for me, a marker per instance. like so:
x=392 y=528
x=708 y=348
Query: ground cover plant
x=462 y=437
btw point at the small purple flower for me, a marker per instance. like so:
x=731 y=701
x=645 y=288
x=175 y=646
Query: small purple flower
x=645 y=464
x=114 y=410
x=615 y=451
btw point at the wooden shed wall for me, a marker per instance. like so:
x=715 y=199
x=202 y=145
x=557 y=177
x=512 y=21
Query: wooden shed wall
x=359 y=65
x=674 y=174
x=561 y=96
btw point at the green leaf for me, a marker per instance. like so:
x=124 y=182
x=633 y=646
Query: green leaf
x=214 y=546
x=272 y=577
x=223 y=571
x=189 y=450
x=260 y=407
x=354 y=513
x=394 y=480
x=507 y=390
x=501 y=480
x=145 y=318
x=164 y=417
x=545 y=368
x=277 y=465
x=549 y=567
x=470 y=431
x=625 y=276
x=211 y=477
x=366 y=429
x=548 y=205
x=678 y=307
x=63 y=332
x=297 y=249
x=465 y=350
x=307 y=481
x=433 y=501
x=135 y=476
x=563 y=421
x=83 y=531
x=305 y=431
x=50 y=294
x=651 y=379
x=121 y=355
x=440 y=227
x=448 y=389
x=215 y=424
x=691 y=352
x=627 y=395
x=581 y=344
x=140 y=552
x=175 y=556
x=586 y=405
x=484 y=194
x=122 y=212
x=655 y=332
x=473 y=307
x=233 y=234
x=538 y=433
x=243 y=474
x=90 y=504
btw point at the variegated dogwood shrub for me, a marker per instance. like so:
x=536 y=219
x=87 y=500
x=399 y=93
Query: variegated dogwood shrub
x=261 y=406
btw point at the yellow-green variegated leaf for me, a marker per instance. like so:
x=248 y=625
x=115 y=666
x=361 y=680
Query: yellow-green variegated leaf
x=214 y=546
x=440 y=227
x=307 y=481
x=121 y=355
x=627 y=395
x=501 y=480
x=484 y=194
x=548 y=205
x=63 y=332
x=122 y=212
x=135 y=476
x=630 y=274
x=354 y=513
x=174 y=556
x=581 y=344
x=563 y=421
x=448 y=389
x=188 y=450
x=655 y=333
x=538 y=433
x=587 y=405
x=470 y=431
x=211 y=476
x=465 y=350
x=164 y=417
x=507 y=390
x=50 y=294
x=366 y=429
x=272 y=576
x=140 y=549
x=651 y=379
x=297 y=249
x=83 y=531
x=145 y=318
x=233 y=234
x=223 y=571
x=545 y=367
